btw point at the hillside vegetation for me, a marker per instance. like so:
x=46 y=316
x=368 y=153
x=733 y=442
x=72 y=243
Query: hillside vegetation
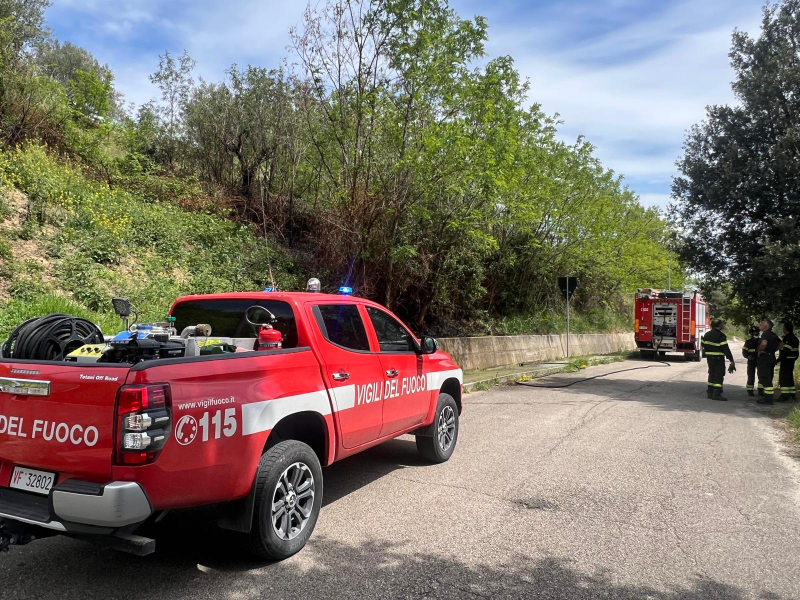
x=394 y=157
x=69 y=244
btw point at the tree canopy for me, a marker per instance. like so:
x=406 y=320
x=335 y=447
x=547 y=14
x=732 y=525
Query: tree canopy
x=738 y=195
x=388 y=153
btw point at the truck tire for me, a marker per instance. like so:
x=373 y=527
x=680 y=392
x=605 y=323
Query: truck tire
x=439 y=447
x=289 y=477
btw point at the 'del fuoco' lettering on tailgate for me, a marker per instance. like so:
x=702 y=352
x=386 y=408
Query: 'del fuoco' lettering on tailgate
x=50 y=431
x=390 y=388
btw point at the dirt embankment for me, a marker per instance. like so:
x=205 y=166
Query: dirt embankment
x=21 y=250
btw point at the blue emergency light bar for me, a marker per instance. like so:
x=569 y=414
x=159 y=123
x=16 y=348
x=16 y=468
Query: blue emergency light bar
x=270 y=289
x=346 y=291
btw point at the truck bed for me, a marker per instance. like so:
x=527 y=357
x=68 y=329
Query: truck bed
x=62 y=418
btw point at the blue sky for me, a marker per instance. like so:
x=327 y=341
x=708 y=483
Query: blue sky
x=630 y=75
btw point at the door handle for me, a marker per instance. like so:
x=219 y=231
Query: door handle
x=392 y=373
x=341 y=376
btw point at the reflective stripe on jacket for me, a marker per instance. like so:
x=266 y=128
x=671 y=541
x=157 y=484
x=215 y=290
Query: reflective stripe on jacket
x=715 y=343
x=790 y=346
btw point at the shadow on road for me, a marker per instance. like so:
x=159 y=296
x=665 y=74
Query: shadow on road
x=345 y=477
x=199 y=568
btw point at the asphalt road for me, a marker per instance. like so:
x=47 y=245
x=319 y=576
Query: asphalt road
x=631 y=486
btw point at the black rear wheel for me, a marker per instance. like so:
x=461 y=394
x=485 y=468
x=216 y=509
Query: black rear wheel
x=288 y=500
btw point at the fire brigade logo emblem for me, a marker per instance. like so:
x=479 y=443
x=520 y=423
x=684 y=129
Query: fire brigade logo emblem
x=186 y=430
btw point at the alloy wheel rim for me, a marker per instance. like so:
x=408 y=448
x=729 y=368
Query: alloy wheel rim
x=446 y=429
x=293 y=501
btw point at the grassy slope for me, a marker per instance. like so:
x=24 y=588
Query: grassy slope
x=68 y=244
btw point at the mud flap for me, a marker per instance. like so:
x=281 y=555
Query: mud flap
x=238 y=515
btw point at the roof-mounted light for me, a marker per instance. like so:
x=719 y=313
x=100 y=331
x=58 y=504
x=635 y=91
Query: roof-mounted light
x=270 y=289
x=313 y=285
x=346 y=291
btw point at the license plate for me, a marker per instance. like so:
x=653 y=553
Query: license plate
x=30 y=480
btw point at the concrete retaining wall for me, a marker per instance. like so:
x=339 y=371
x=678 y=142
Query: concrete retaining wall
x=502 y=351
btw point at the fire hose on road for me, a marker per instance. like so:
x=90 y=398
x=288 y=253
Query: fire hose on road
x=585 y=379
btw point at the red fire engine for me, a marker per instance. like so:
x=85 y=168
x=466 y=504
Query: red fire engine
x=669 y=321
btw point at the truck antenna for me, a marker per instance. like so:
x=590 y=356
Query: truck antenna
x=271 y=278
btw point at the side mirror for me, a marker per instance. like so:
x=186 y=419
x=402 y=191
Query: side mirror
x=429 y=345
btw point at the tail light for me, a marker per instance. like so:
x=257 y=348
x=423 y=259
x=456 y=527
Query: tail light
x=144 y=421
x=636 y=326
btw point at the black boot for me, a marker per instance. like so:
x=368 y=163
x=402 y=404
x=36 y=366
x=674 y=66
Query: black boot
x=718 y=395
x=760 y=392
x=766 y=400
x=750 y=393
x=782 y=398
x=710 y=393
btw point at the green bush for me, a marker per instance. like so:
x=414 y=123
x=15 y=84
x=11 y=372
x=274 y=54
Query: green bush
x=27 y=288
x=554 y=321
x=5 y=249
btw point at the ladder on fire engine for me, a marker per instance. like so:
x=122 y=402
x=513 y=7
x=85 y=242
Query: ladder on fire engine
x=686 y=319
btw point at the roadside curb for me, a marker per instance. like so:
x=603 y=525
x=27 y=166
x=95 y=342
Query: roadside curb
x=474 y=386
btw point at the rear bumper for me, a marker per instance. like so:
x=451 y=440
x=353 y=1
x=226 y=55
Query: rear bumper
x=669 y=346
x=75 y=506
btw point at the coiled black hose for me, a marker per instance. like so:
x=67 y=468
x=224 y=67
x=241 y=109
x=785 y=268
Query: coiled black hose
x=51 y=337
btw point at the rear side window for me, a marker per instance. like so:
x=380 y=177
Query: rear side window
x=392 y=336
x=341 y=324
x=227 y=318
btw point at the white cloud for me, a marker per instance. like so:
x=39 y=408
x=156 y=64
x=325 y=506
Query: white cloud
x=658 y=200
x=216 y=34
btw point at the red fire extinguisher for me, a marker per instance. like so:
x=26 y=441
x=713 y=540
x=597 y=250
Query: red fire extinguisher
x=269 y=338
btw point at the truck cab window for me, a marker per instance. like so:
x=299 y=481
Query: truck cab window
x=392 y=336
x=227 y=318
x=341 y=324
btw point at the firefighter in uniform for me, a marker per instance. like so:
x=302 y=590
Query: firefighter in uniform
x=715 y=349
x=749 y=351
x=787 y=356
x=766 y=361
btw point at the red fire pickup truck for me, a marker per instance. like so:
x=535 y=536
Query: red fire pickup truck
x=95 y=449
